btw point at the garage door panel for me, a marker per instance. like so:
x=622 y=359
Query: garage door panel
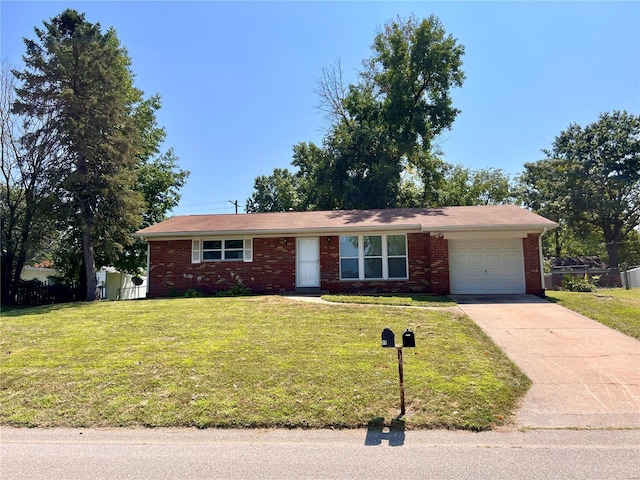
x=475 y=259
x=511 y=259
x=493 y=259
x=511 y=272
x=486 y=266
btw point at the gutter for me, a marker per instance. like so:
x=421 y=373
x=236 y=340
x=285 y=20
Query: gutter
x=541 y=259
x=530 y=227
x=279 y=232
x=148 y=269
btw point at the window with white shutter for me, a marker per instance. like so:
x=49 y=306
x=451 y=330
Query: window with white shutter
x=195 y=251
x=248 y=249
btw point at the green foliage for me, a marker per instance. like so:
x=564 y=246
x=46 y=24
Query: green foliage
x=159 y=181
x=275 y=193
x=381 y=128
x=26 y=197
x=193 y=293
x=108 y=175
x=590 y=180
x=237 y=290
x=573 y=283
x=462 y=186
x=82 y=77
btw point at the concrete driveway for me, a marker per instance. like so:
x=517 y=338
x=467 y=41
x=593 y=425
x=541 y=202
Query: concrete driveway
x=584 y=375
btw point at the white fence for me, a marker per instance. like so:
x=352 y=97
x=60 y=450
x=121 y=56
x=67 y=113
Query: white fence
x=633 y=276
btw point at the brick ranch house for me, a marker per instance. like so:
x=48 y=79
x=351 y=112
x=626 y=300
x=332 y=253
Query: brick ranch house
x=453 y=250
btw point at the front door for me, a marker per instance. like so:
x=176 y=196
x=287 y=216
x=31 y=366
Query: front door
x=308 y=262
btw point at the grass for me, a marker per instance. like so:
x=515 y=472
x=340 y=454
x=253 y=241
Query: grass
x=616 y=308
x=247 y=362
x=395 y=300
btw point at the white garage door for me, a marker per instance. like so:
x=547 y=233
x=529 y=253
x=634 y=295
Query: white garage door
x=486 y=266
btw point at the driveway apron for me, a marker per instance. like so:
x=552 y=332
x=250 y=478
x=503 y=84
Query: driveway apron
x=584 y=375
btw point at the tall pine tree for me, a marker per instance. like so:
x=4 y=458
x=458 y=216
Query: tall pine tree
x=78 y=80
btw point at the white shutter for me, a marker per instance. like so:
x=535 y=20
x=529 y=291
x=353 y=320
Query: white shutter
x=248 y=250
x=195 y=251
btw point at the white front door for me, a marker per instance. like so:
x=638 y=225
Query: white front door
x=308 y=262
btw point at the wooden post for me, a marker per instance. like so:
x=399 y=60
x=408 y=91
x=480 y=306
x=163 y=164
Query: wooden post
x=401 y=374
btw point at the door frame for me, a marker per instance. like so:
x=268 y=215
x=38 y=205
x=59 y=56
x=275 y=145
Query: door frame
x=315 y=284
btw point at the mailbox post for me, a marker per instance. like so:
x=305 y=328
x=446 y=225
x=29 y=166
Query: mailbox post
x=408 y=341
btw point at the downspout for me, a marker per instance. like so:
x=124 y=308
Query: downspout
x=146 y=292
x=541 y=260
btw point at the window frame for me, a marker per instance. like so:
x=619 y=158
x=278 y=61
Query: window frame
x=385 y=257
x=245 y=249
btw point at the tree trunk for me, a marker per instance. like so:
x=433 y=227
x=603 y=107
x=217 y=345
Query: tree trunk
x=88 y=254
x=89 y=265
x=6 y=297
x=612 y=250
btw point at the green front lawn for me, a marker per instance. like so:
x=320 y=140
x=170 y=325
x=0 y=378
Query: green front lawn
x=247 y=362
x=616 y=308
x=431 y=301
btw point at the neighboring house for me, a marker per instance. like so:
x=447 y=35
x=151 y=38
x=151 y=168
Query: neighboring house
x=457 y=250
x=43 y=272
x=116 y=285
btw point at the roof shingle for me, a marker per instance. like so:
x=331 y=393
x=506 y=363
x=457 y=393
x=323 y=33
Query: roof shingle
x=485 y=217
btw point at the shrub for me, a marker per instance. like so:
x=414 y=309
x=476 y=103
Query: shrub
x=193 y=293
x=235 y=291
x=576 y=284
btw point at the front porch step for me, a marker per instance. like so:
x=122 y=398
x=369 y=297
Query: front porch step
x=306 y=291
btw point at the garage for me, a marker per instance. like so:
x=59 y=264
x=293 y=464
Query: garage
x=491 y=266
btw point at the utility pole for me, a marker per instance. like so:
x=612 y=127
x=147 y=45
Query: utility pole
x=234 y=202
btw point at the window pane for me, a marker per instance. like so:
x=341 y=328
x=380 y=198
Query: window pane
x=212 y=255
x=398 y=267
x=232 y=244
x=372 y=268
x=396 y=245
x=372 y=246
x=212 y=244
x=349 y=268
x=233 y=254
x=348 y=247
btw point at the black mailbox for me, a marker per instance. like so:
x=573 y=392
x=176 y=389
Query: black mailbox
x=408 y=339
x=388 y=338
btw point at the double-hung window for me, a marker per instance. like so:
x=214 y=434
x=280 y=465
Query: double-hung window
x=223 y=249
x=373 y=257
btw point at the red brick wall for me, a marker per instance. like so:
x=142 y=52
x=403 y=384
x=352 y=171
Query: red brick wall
x=418 y=250
x=532 y=274
x=439 y=264
x=172 y=273
x=273 y=269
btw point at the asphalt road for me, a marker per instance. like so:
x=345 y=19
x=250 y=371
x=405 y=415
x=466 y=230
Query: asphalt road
x=297 y=454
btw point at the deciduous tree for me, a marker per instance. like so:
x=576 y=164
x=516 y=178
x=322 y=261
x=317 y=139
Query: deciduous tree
x=385 y=124
x=591 y=179
x=26 y=202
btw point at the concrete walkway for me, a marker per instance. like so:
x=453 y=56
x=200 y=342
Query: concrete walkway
x=584 y=375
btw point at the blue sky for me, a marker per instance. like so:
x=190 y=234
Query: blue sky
x=237 y=79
